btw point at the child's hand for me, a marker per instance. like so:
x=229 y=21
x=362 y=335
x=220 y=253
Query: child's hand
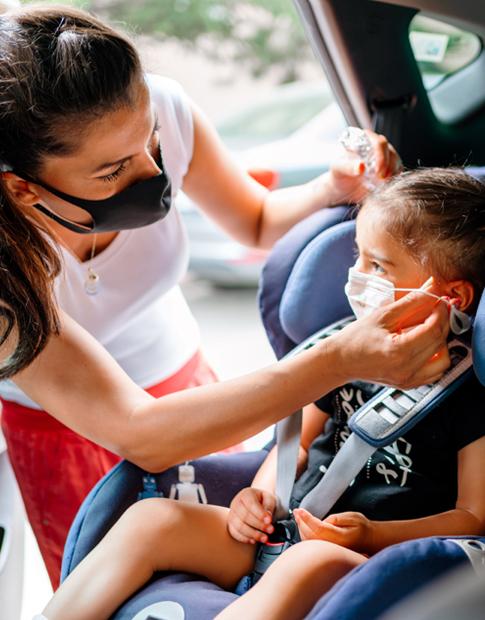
x=250 y=515
x=348 y=529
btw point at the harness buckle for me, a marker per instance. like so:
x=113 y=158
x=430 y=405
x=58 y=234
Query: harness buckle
x=285 y=535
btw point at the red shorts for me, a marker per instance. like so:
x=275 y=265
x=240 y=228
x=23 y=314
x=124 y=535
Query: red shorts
x=56 y=468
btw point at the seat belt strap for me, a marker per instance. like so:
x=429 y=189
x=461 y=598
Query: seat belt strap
x=348 y=462
x=288 y=432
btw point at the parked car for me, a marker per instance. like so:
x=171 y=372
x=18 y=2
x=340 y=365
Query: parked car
x=287 y=139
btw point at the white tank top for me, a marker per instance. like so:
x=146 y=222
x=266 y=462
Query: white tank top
x=139 y=313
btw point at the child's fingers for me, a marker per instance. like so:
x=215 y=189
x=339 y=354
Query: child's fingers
x=251 y=511
x=252 y=505
x=338 y=520
x=255 y=523
x=321 y=532
x=307 y=520
x=243 y=530
x=269 y=505
x=318 y=528
x=306 y=532
x=307 y=517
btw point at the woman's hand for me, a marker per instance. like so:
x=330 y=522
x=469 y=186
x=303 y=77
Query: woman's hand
x=347 y=181
x=348 y=529
x=250 y=515
x=401 y=344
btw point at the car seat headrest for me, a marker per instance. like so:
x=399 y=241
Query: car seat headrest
x=478 y=341
x=314 y=294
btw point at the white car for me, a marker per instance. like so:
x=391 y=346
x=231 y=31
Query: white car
x=286 y=140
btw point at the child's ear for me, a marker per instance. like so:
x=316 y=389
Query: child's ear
x=462 y=290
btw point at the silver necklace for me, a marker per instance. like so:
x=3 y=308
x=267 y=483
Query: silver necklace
x=91 y=283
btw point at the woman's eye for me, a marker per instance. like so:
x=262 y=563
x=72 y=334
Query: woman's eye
x=109 y=178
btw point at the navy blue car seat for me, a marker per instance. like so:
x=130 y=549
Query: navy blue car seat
x=301 y=291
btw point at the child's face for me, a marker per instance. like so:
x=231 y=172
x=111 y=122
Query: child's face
x=381 y=255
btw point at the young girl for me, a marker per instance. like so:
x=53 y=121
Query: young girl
x=429 y=482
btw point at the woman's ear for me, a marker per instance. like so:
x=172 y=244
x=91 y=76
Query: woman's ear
x=462 y=291
x=22 y=192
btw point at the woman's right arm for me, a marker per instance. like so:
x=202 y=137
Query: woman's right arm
x=78 y=382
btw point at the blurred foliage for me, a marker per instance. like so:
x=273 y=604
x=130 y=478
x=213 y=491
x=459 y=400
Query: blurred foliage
x=257 y=35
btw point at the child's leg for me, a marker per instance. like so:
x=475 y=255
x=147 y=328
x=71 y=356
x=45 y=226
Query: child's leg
x=294 y=582
x=152 y=535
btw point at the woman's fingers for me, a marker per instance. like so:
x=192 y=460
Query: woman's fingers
x=426 y=344
x=349 y=167
x=376 y=349
x=387 y=161
x=431 y=370
x=380 y=146
x=412 y=309
x=419 y=352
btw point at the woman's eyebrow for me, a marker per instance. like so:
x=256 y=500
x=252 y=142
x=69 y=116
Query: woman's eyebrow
x=123 y=159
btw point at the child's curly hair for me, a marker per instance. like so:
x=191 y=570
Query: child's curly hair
x=439 y=214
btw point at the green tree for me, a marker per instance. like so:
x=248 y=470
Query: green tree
x=256 y=34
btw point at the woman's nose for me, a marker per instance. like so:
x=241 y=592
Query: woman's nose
x=148 y=166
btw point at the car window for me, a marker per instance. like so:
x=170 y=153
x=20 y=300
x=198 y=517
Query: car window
x=449 y=60
x=441 y=49
x=289 y=108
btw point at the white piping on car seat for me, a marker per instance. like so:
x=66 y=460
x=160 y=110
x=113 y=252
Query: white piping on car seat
x=166 y=610
x=475 y=551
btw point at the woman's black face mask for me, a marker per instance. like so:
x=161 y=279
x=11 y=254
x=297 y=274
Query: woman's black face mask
x=139 y=205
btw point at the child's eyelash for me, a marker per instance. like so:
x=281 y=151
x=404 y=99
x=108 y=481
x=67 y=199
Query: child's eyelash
x=114 y=175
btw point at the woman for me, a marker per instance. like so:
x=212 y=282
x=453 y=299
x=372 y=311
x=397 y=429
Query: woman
x=90 y=147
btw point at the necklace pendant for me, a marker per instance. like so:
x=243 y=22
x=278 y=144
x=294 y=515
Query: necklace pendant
x=91 y=283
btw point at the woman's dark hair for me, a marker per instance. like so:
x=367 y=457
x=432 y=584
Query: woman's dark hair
x=439 y=215
x=60 y=68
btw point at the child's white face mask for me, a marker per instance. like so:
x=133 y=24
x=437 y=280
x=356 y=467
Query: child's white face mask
x=366 y=292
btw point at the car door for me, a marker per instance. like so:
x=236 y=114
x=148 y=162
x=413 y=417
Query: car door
x=374 y=62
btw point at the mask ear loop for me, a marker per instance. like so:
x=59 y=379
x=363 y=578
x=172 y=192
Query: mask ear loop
x=460 y=322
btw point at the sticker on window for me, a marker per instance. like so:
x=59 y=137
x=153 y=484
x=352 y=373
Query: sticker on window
x=429 y=47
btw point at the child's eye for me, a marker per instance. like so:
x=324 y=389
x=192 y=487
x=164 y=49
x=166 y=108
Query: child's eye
x=376 y=267
x=109 y=178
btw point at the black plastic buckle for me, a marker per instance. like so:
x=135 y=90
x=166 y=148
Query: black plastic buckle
x=285 y=535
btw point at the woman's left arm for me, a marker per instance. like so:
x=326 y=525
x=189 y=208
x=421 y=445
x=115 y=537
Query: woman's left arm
x=354 y=530
x=255 y=216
